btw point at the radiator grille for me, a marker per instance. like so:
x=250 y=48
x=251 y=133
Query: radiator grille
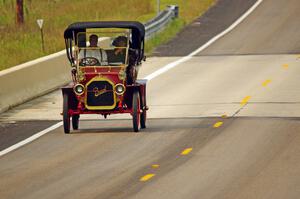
x=100 y=95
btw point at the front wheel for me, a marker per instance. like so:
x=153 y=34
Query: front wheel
x=136 y=111
x=66 y=115
x=75 y=122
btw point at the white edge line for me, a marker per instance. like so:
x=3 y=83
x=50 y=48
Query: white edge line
x=149 y=77
x=214 y=39
x=30 y=139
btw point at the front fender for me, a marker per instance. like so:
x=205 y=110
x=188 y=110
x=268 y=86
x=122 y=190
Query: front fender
x=68 y=90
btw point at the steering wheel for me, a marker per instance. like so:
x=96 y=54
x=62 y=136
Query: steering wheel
x=89 y=61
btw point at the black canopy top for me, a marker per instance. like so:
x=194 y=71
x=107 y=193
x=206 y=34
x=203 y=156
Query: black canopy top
x=137 y=34
x=138 y=29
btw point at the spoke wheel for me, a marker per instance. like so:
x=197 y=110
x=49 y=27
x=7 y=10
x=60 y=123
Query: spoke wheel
x=136 y=111
x=75 y=122
x=66 y=115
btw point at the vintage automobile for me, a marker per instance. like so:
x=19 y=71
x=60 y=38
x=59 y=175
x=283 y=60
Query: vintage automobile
x=105 y=59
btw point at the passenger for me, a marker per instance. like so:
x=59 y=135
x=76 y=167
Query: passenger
x=94 y=52
x=119 y=53
x=120 y=41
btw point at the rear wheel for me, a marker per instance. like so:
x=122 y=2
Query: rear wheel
x=136 y=111
x=75 y=122
x=66 y=115
x=143 y=119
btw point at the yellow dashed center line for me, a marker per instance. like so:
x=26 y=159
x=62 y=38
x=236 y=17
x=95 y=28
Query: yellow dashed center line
x=245 y=100
x=218 y=124
x=265 y=83
x=155 y=166
x=224 y=116
x=147 y=177
x=186 y=151
x=285 y=66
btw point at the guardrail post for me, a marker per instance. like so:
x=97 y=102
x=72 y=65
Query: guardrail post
x=158 y=7
x=175 y=9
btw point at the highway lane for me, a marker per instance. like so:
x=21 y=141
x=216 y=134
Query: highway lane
x=106 y=160
x=272 y=29
x=242 y=157
x=214 y=21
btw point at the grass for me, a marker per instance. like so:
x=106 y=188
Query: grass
x=21 y=44
x=169 y=32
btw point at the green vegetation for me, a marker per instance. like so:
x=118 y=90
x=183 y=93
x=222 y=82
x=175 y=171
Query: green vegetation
x=169 y=32
x=21 y=44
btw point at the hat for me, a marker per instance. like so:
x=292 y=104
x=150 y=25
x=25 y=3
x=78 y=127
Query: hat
x=119 y=39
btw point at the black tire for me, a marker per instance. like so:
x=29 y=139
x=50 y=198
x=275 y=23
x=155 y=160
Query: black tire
x=75 y=122
x=135 y=111
x=66 y=116
x=143 y=119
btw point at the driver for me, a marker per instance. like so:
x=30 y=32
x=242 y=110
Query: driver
x=94 y=52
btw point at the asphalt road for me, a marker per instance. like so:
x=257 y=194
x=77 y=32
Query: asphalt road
x=222 y=125
x=215 y=20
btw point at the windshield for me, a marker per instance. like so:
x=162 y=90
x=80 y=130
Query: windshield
x=101 y=49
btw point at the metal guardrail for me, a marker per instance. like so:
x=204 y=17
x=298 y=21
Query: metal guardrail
x=160 y=21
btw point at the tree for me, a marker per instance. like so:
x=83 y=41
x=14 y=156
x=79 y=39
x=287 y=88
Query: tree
x=19 y=12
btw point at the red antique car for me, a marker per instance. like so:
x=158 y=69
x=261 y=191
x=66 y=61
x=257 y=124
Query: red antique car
x=105 y=59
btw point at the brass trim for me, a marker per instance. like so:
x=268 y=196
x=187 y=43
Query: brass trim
x=122 y=86
x=101 y=107
x=79 y=94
